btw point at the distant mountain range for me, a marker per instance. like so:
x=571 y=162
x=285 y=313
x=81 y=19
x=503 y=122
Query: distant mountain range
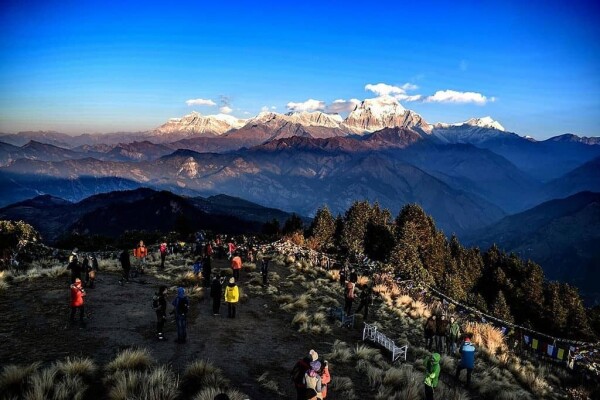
x=111 y=214
x=561 y=235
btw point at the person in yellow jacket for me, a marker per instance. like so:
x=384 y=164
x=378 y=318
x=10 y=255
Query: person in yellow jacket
x=232 y=296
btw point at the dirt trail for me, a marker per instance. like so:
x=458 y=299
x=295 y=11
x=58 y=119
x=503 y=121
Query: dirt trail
x=34 y=327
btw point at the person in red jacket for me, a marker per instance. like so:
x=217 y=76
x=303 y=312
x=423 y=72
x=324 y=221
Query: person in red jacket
x=140 y=253
x=236 y=266
x=77 y=295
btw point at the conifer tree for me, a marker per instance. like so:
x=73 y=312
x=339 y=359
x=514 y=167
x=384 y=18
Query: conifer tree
x=501 y=309
x=323 y=228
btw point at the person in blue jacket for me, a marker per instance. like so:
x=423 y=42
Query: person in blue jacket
x=467 y=359
x=182 y=305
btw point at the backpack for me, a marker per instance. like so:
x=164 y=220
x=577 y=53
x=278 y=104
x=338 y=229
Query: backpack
x=155 y=303
x=163 y=248
x=350 y=290
x=182 y=306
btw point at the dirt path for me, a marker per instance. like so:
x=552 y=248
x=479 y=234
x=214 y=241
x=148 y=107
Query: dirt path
x=34 y=327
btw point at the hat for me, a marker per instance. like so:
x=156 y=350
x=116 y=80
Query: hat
x=77 y=280
x=232 y=280
x=315 y=366
x=467 y=339
x=313 y=355
x=75 y=250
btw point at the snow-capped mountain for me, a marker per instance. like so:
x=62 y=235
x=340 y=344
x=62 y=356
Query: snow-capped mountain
x=383 y=112
x=195 y=124
x=484 y=122
x=474 y=131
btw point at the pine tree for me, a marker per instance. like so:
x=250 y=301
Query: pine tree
x=293 y=224
x=322 y=228
x=405 y=257
x=355 y=226
x=501 y=309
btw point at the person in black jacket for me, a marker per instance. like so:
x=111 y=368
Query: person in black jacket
x=366 y=299
x=206 y=270
x=74 y=266
x=159 y=303
x=216 y=292
x=264 y=269
x=126 y=265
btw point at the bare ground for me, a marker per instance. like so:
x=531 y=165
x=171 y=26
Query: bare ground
x=34 y=327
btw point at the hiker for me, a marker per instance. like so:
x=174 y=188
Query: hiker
x=325 y=379
x=429 y=329
x=467 y=359
x=74 y=266
x=91 y=270
x=163 y=253
x=206 y=270
x=85 y=266
x=182 y=305
x=349 y=297
x=140 y=253
x=366 y=299
x=453 y=335
x=216 y=289
x=77 y=295
x=236 y=266
x=208 y=250
x=232 y=296
x=197 y=267
x=312 y=381
x=353 y=276
x=126 y=265
x=159 y=304
x=298 y=372
x=231 y=248
x=264 y=269
x=432 y=374
x=343 y=276
x=441 y=327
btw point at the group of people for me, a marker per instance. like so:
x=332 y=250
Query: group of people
x=86 y=268
x=442 y=335
x=349 y=285
x=310 y=377
x=432 y=367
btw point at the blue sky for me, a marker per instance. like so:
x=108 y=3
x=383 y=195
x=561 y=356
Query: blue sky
x=86 y=66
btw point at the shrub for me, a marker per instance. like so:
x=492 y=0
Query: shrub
x=201 y=374
x=211 y=393
x=158 y=383
x=131 y=359
x=268 y=384
x=83 y=367
x=13 y=378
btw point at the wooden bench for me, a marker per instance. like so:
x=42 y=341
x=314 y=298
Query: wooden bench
x=339 y=314
x=371 y=333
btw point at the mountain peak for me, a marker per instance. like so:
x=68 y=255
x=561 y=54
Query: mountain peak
x=484 y=122
x=383 y=112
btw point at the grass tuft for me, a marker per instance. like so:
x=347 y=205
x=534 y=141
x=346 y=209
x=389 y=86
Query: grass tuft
x=131 y=359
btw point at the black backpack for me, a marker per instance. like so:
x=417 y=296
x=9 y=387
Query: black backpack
x=155 y=302
x=182 y=306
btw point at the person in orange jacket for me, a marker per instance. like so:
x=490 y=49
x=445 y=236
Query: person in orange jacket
x=140 y=253
x=236 y=266
x=77 y=295
x=325 y=379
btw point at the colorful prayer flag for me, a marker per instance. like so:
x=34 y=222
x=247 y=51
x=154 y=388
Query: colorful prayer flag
x=534 y=344
x=561 y=354
x=550 y=350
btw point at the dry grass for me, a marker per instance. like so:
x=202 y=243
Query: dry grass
x=269 y=384
x=77 y=366
x=158 y=383
x=340 y=351
x=201 y=374
x=334 y=275
x=249 y=267
x=343 y=387
x=363 y=281
x=211 y=393
x=131 y=359
x=14 y=378
x=487 y=336
x=364 y=352
x=188 y=279
x=301 y=303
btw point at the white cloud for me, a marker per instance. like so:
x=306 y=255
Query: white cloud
x=200 y=102
x=407 y=98
x=340 y=106
x=452 y=96
x=264 y=109
x=308 y=105
x=273 y=108
x=226 y=110
x=383 y=89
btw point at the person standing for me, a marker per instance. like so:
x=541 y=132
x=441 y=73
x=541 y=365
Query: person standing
x=432 y=374
x=298 y=372
x=159 y=303
x=441 y=327
x=163 y=254
x=216 y=291
x=349 y=297
x=325 y=379
x=77 y=295
x=236 y=266
x=312 y=381
x=366 y=299
x=126 y=265
x=182 y=305
x=453 y=335
x=140 y=253
x=74 y=266
x=467 y=359
x=197 y=267
x=232 y=296
x=429 y=329
x=264 y=269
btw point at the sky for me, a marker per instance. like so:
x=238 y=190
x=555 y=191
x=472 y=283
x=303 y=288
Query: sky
x=94 y=66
